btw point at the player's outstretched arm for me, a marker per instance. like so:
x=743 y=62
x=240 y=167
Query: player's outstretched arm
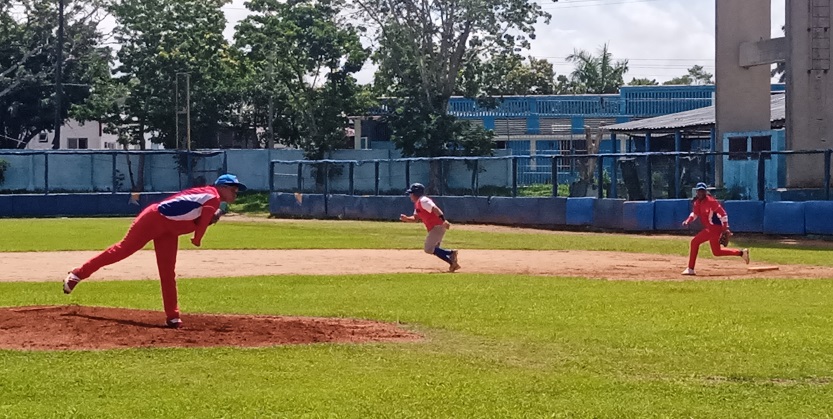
x=208 y=212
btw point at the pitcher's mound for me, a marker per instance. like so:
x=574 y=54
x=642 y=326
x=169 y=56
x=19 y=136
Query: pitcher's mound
x=80 y=327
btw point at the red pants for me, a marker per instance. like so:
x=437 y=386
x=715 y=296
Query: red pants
x=149 y=225
x=711 y=235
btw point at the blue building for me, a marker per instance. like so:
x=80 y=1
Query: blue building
x=546 y=125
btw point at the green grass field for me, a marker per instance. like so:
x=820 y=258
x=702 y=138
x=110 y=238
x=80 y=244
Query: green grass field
x=40 y=235
x=496 y=345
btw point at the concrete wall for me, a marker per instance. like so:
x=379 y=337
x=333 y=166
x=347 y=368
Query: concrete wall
x=742 y=97
x=810 y=96
x=779 y=218
x=79 y=205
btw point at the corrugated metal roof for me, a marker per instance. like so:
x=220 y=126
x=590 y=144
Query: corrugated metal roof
x=698 y=118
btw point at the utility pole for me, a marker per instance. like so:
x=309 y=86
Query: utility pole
x=183 y=109
x=59 y=89
x=270 y=143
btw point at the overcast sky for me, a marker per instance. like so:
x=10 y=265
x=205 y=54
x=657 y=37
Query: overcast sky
x=661 y=38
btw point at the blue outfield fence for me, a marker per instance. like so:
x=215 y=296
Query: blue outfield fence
x=774 y=218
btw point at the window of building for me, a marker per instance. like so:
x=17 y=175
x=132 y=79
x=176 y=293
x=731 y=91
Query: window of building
x=77 y=143
x=42 y=138
x=737 y=148
x=762 y=143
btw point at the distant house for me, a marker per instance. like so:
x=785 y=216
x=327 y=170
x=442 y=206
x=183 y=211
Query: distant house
x=76 y=135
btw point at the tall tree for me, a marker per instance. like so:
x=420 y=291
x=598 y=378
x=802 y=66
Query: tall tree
x=159 y=39
x=306 y=56
x=696 y=75
x=506 y=75
x=27 y=64
x=424 y=48
x=598 y=74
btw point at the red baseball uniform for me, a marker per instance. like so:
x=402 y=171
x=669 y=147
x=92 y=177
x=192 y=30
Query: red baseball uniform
x=424 y=209
x=714 y=220
x=188 y=211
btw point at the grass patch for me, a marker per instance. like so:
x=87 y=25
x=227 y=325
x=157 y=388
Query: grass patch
x=543 y=190
x=97 y=234
x=252 y=203
x=498 y=346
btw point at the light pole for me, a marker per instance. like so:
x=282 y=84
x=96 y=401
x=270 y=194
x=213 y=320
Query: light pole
x=59 y=90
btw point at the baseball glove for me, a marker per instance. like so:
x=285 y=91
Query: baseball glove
x=724 y=238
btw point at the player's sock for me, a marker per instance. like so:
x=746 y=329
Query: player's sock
x=442 y=254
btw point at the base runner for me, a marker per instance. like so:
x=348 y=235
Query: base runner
x=715 y=222
x=190 y=211
x=432 y=216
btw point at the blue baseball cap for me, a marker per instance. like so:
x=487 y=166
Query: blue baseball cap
x=230 y=180
x=701 y=186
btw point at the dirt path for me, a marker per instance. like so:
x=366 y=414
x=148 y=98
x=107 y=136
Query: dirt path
x=236 y=263
x=78 y=327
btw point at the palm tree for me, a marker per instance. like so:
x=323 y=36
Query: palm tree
x=597 y=74
x=780 y=68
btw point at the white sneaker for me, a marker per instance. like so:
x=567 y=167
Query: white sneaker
x=70 y=282
x=689 y=271
x=745 y=255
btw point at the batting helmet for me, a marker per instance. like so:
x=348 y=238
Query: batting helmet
x=417 y=189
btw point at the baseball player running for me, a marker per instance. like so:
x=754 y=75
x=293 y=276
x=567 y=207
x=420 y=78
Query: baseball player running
x=431 y=215
x=190 y=211
x=715 y=224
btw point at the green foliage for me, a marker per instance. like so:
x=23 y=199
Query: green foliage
x=543 y=190
x=696 y=75
x=159 y=39
x=424 y=50
x=597 y=74
x=27 y=64
x=304 y=55
x=508 y=74
x=251 y=203
x=643 y=82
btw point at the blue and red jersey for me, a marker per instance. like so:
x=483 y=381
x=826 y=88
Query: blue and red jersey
x=196 y=205
x=424 y=210
x=710 y=213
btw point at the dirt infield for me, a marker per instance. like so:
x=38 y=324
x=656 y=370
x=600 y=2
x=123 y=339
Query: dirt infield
x=75 y=327
x=78 y=327
x=206 y=263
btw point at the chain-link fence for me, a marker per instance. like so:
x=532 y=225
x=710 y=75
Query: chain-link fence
x=631 y=176
x=107 y=171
